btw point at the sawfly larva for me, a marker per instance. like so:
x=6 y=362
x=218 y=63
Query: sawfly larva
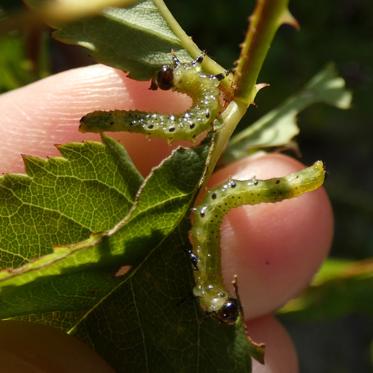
x=205 y=233
x=181 y=77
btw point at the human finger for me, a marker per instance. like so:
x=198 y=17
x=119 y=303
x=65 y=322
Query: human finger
x=274 y=248
x=280 y=354
x=47 y=112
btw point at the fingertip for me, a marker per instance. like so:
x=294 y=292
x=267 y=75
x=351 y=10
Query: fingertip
x=48 y=111
x=280 y=354
x=273 y=248
x=27 y=347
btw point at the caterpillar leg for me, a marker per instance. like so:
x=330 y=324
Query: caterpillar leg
x=175 y=60
x=199 y=59
x=193 y=258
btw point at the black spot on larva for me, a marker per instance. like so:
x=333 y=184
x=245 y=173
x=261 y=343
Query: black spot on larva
x=278 y=181
x=297 y=177
x=111 y=123
x=220 y=76
x=199 y=59
x=213 y=195
x=232 y=184
x=256 y=182
x=150 y=126
x=194 y=259
x=191 y=126
x=208 y=114
x=171 y=129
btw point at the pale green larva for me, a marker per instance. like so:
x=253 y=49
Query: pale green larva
x=204 y=91
x=182 y=77
x=205 y=234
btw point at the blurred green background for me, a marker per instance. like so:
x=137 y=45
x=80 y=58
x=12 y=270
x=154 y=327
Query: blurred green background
x=338 y=31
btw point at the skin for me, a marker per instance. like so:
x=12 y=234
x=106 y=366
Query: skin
x=274 y=248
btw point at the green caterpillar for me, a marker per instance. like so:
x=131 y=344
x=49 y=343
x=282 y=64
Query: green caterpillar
x=182 y=77
x=204 y=90
x=205 y=233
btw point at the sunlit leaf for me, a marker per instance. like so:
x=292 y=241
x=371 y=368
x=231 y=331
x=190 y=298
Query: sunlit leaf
x=140 y=38
x=341 y=287
x=279 y=127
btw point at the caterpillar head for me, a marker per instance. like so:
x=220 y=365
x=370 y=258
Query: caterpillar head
x=181 y=76
x=229 y=312
x=165 y=77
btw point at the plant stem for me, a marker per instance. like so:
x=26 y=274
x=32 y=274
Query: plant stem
x=266 y=19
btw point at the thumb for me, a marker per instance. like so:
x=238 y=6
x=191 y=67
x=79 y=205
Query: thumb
x=47 y=112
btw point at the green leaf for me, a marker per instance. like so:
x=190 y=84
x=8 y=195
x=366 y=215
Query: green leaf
x=151 y=321
x=149 y=312
x=64 y=199
x=16 y=68
x=136 y=39
x=278 y=127
x=161 y=204
x=341 y=287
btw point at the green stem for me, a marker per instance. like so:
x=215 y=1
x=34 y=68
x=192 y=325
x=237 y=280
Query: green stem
x=230 y=118
x=266 y=19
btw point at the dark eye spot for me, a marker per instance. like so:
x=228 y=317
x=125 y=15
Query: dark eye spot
x=165 y=77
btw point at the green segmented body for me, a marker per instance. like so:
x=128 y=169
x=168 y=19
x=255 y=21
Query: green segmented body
x=186 y=78
x=208 y=216
x=203 y=114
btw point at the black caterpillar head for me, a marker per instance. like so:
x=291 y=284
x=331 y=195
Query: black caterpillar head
x=165 y=77
x=230 y=311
